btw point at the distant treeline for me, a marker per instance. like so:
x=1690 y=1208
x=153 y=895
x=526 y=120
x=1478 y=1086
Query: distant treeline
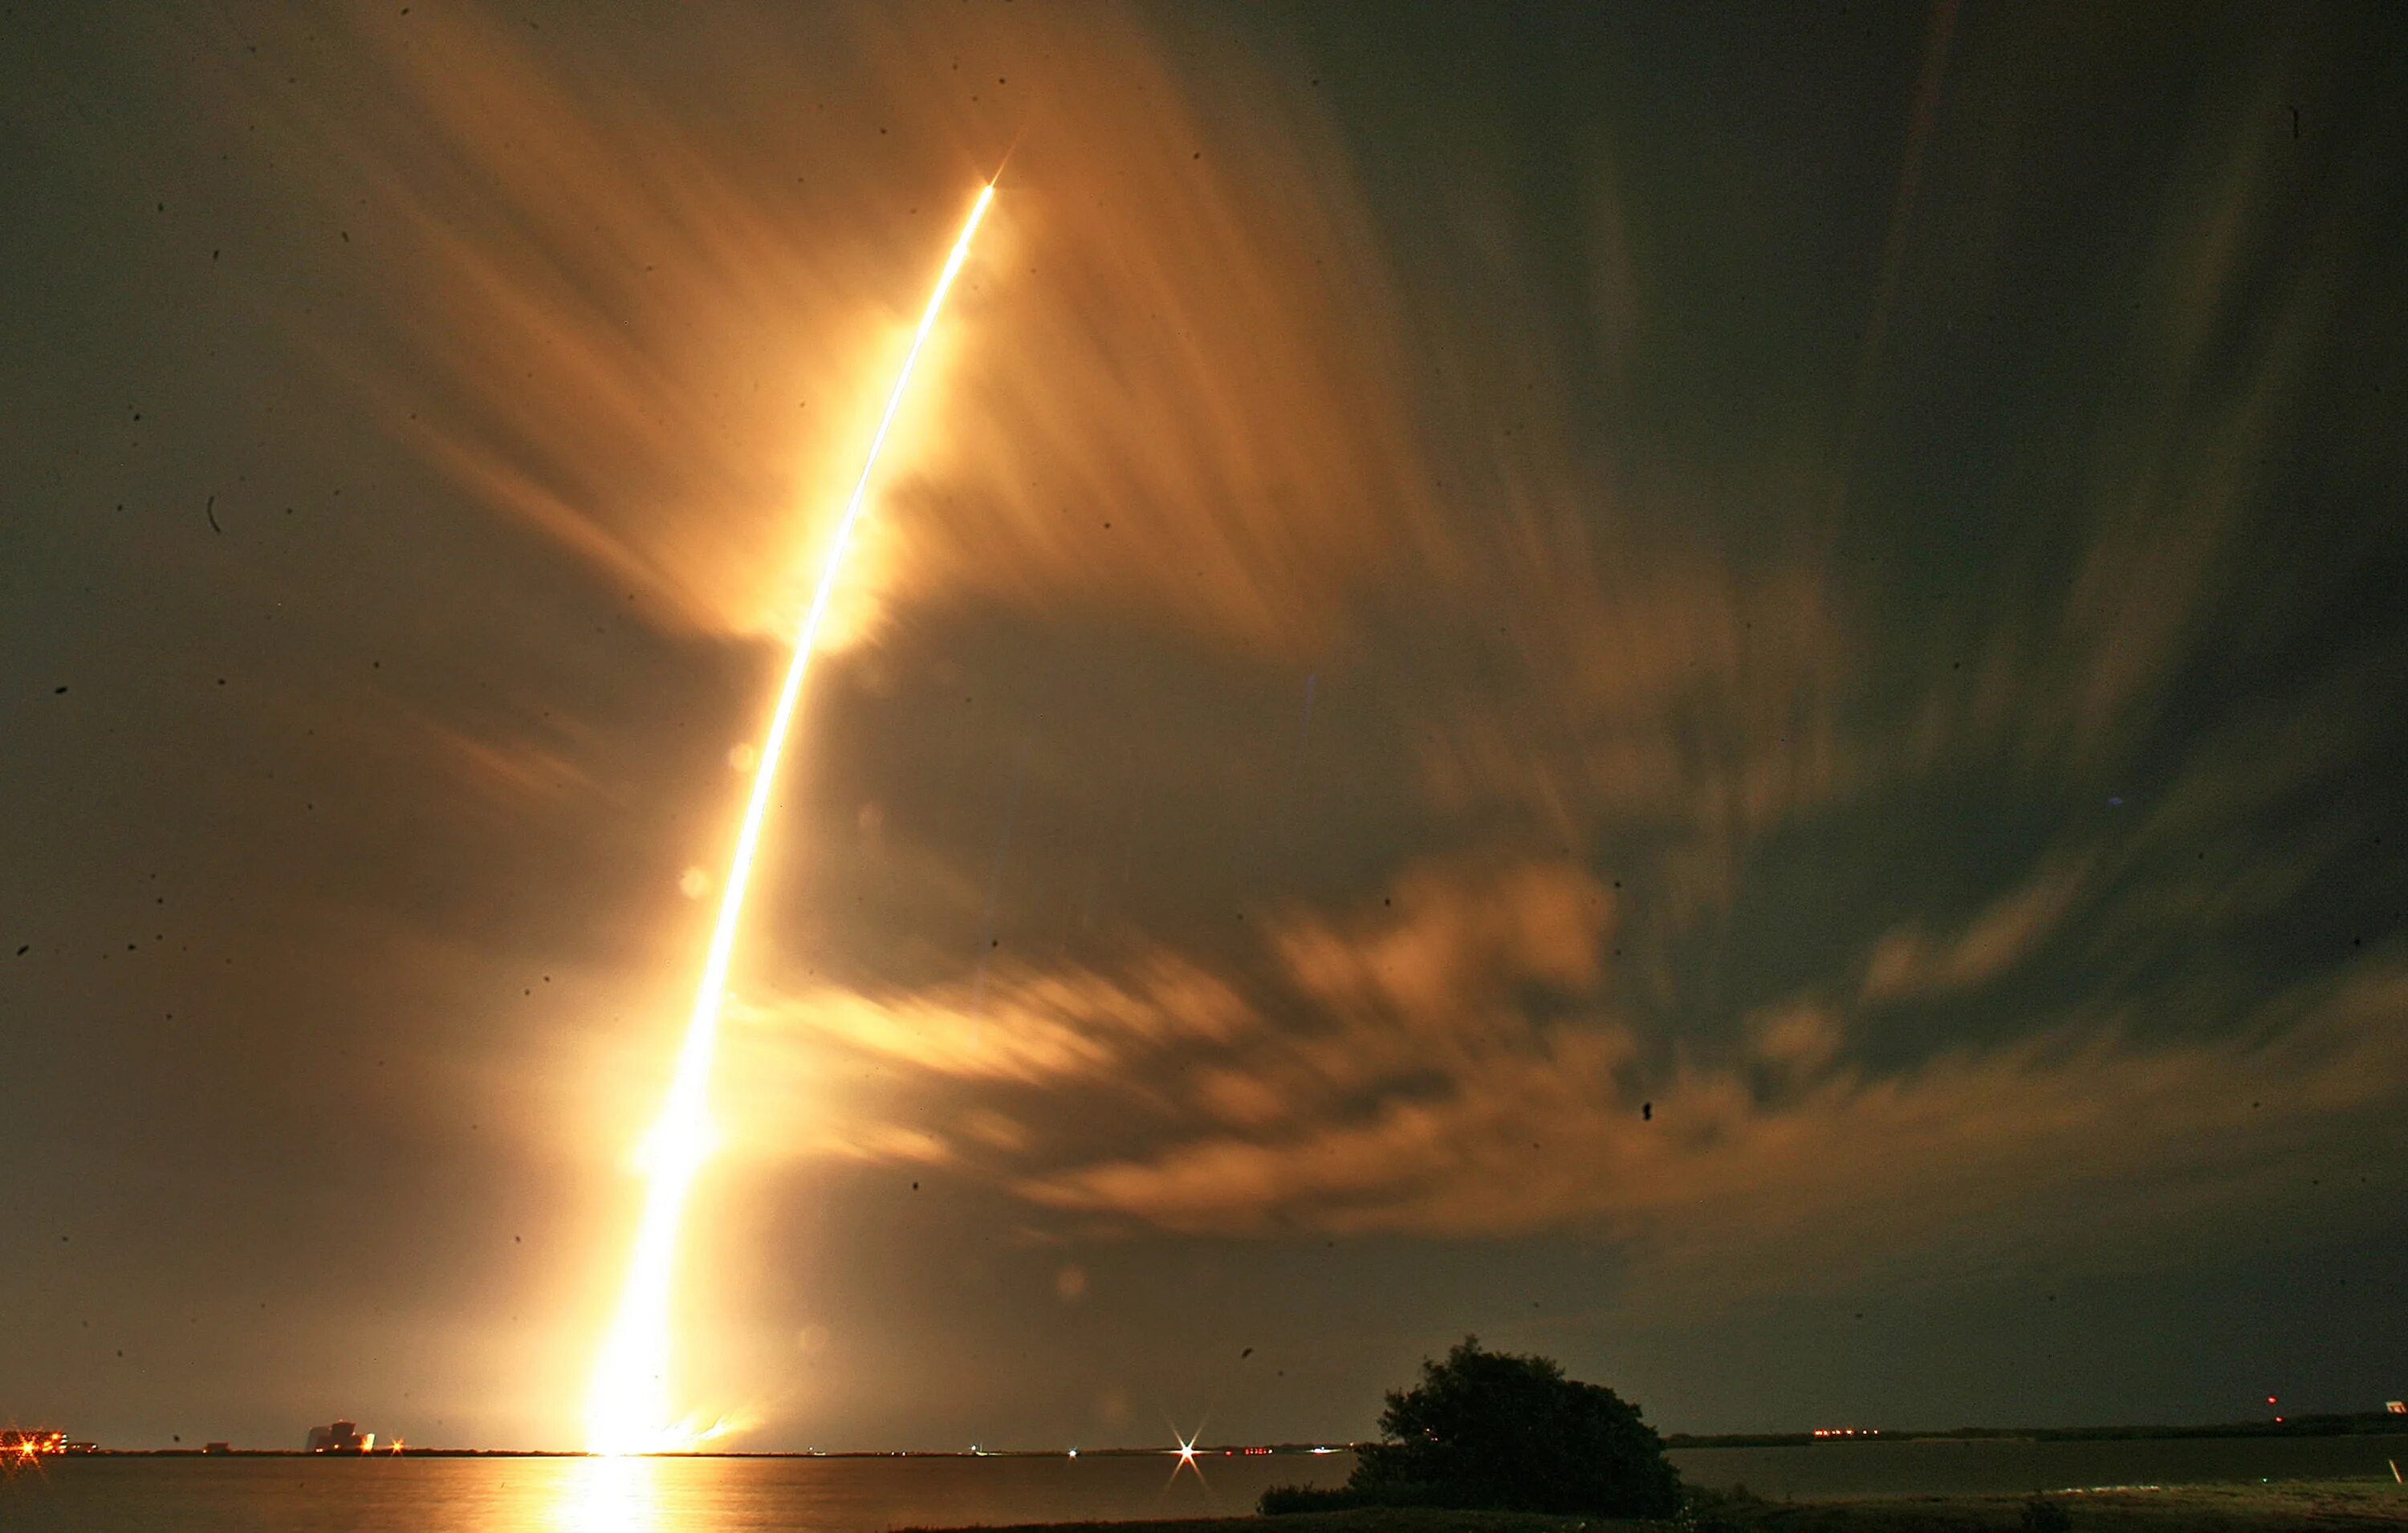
x=329 y=1457
x=2353 y=1424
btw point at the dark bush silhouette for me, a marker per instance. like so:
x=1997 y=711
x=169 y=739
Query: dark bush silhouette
x=1277 y=1499
x=2042 y=1515
x=1704 y=1509
x=1498 y=1431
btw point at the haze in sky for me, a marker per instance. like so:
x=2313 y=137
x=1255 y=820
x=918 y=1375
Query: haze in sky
x=1720 y=700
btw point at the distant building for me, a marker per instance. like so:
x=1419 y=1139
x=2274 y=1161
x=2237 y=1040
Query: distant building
x=217 y=1447
x=30 y=1442
x=2398 y=1407
x=342 y=1437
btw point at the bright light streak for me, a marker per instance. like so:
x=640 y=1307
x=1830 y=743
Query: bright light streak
x=627 y=1406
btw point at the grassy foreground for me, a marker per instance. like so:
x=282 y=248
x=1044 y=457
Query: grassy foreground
x=2296 y=1505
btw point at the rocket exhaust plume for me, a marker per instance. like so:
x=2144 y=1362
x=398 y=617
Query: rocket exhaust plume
x=627 y=1406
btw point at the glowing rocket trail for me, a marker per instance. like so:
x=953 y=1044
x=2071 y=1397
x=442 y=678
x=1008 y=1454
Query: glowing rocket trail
x=628 y=1408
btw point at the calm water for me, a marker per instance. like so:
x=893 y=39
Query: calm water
x=1933 y=1469
x=869 y=1496
x=627 y=1496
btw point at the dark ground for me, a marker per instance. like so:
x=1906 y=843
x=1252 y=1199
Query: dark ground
x=2292 y=1507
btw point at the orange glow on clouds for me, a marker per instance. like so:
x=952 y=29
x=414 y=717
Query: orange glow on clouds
x=628 y=1409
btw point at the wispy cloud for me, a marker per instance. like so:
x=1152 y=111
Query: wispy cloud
x=1393 y=1072
x=1170 y=389
x=1911 y=962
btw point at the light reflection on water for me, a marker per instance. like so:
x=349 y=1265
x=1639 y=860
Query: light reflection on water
x=387 y=1495
x=610 y=1496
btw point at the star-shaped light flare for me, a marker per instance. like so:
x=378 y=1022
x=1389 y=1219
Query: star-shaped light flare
x=1184 y=1455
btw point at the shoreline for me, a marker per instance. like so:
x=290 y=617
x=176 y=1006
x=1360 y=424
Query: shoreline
x=2304 y=1505
x=2362 y=1424
x=2320 y=1425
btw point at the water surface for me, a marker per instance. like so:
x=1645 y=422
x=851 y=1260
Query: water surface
x=1942 y=1466
x=386 y=1495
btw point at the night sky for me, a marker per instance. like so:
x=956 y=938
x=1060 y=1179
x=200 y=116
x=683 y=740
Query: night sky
x=1725 y=698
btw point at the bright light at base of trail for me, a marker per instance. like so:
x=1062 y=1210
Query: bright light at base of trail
x=628 y=1408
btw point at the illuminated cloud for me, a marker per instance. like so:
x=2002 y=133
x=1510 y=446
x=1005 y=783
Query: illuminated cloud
x=1549 y=1136
x=1171 y=391
x=1389 y=1072
x=1907 y=962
